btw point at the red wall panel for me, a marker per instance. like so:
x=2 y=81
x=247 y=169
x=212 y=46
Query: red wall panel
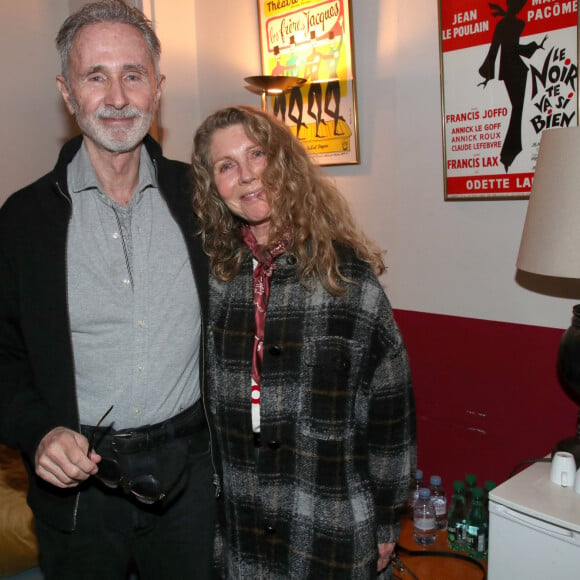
x=487 y=394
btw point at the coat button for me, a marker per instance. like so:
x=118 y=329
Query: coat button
x=275 y=350
x=274 y=445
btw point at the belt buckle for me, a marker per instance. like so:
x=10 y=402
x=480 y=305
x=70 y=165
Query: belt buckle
x=124 y=439
x=124 y=434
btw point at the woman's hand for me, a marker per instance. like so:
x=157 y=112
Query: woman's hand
x=385 y=551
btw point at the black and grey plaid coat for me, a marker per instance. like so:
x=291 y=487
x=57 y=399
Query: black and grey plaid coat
x=338 y=439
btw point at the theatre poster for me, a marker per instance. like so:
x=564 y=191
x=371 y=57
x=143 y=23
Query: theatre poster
x=509 y=70
x=312 y=40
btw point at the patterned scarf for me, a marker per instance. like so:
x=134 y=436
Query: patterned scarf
x=261 y=290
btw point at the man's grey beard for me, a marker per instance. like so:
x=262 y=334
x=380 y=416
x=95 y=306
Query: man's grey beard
x=118 y=140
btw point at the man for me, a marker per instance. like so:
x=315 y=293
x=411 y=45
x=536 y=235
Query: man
x=102 y=287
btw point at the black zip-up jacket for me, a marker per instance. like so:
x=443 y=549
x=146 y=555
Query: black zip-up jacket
x=37 y=384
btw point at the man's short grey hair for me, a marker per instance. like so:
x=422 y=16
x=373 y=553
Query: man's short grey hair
x=106 y=11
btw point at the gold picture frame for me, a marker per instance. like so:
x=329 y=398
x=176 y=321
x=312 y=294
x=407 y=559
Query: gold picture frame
x=311 y=41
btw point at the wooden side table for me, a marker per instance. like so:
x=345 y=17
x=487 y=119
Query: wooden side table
x=442 y=564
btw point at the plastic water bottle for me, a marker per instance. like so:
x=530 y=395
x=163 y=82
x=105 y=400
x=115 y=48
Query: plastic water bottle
x=470 y=485
x=439 y=501
x=457 y=518
x=477 y=526
x=416 y=485
x=487 y=487
x=424 y=521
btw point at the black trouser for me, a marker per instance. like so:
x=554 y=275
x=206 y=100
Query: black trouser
x=114 y=529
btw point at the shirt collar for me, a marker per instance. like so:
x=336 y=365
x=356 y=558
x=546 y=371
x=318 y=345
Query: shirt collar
x=82 y=177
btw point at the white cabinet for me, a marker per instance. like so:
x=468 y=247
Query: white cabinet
x=534 y=528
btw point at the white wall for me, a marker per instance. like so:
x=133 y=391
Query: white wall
x=454 y=258
x=33 y=123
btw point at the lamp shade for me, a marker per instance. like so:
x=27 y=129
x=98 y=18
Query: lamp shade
x=550 y=243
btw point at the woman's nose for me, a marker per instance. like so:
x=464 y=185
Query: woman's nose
x=247 y=175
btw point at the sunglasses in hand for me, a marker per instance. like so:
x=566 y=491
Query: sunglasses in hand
x=146 y=488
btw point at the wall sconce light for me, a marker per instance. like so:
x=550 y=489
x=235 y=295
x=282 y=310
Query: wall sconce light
x=265 y=85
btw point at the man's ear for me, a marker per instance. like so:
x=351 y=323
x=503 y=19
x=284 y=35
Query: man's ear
x=63 y=89
x=160 y=87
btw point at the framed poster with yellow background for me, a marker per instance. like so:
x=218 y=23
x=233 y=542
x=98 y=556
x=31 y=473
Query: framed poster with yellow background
x=312 y=41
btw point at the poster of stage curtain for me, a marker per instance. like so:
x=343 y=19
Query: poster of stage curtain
x=509 y=70
x=312 y=39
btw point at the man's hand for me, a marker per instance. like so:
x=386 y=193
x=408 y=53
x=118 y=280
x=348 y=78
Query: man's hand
x=61 y=458
x=385 y=551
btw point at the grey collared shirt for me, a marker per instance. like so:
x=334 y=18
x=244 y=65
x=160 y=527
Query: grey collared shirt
x=133 y=304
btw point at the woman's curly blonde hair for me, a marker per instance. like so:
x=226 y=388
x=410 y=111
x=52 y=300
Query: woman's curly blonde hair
x=303 y=200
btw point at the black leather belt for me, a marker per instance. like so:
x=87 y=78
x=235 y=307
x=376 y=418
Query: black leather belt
x=130 y=440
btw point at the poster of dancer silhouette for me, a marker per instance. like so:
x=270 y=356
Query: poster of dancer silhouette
x=312 y=40
x=509 y=70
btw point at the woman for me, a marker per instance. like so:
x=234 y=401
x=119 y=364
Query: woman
x=308 y=391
